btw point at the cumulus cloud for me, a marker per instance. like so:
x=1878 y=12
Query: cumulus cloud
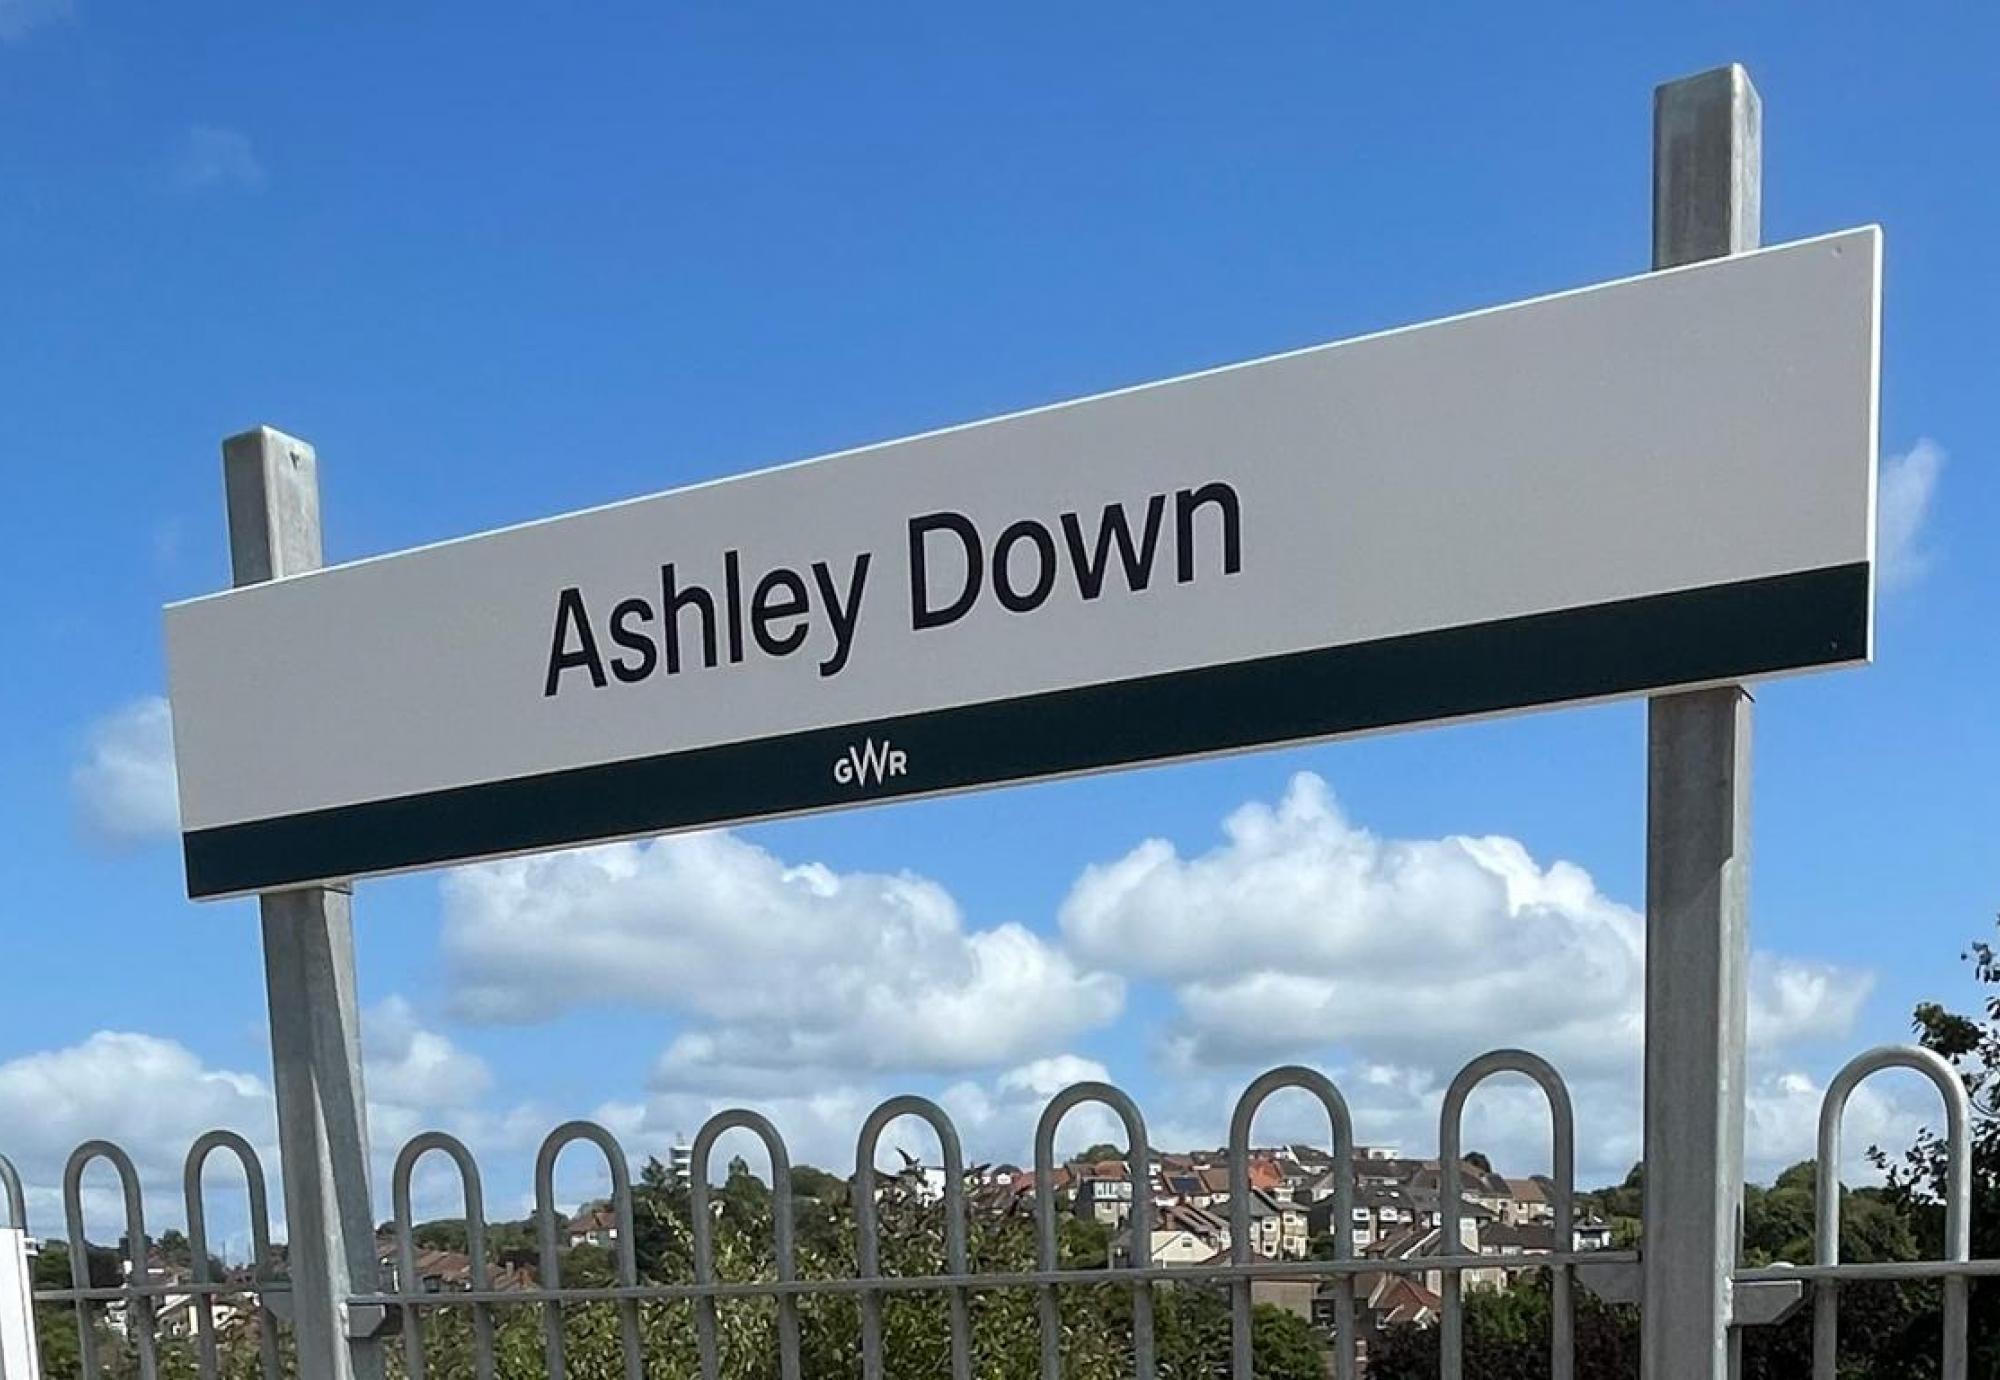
x=18 y=18
x=210 y=156
x=411 y=1066
x=1304 y=930
x=787 y=972
x=124 y=786
x=154 y=1097
x=151 y=1096
x=1302 y=934
x=1902 y=508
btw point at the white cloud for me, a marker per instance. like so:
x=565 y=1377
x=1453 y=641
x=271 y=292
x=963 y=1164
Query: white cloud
x=789 y=972
x=1903 y=505
x=207 y=156
x=997 y=1121
x=414 y=1067
x=124 y=786
x=1781 y=1125
x=154 y=1097
x=19 y=17
x=1303 y=930
x=1393 y=961
x=819 y=1126
x=151 y=1096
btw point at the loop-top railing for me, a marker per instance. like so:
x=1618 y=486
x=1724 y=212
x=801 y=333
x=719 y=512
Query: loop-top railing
x=554 y=1352
x=261 y=1261
x=737 y=1119
x=1139 y=1223
x=1342 y=1127
x=136 y=1298
x=479 y=1272
x=137 y=1301
x=13 y=1196
x=868 y=1241
x=1451 y=1206
x=1957 y=1204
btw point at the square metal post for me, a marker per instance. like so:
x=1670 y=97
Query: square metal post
x=272 y=482
x=1707 y=139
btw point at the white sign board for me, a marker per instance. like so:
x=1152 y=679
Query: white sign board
x=17 y=1308
x=1656 y=483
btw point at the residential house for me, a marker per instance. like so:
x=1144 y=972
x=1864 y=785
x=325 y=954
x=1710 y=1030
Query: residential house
x=1478 y=1187
x=1214 y=1191
x=1280 y=1228
x=1504 y=1238
x=1378 y=1212
x=1181 y=1235
x=1593 y=1233
x=594 y=1225
x=1397 y=1299
x=1169 y=1247
x=1419 y=1242
x=1181 y=1185
x=1381 y=1301
x=1534 y=1200
x=1102 y=1193
x=179 y=1315
x=1298 y=1167
x=1311 y=1157
x=445 y=1272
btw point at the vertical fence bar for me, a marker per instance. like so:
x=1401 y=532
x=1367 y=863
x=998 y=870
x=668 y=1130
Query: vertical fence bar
x=260 y=1249
x=1139 y=1225
x=738 y=1119
x=868 y=1242
x=1241 y=1350
x=138 y=1308
x=272 y=484
x=475 y=1249
x=1957 y=1200
x=554 y=1359
x=1707 y=152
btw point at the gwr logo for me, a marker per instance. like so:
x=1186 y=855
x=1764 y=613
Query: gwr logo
x=870 y=764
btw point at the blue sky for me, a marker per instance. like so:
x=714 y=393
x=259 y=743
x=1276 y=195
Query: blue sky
x=500 y=263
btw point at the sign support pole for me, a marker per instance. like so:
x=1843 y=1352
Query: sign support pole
x=272 y=483
x=1707 y=174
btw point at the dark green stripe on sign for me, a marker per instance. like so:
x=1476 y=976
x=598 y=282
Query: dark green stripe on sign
x=1725 y=632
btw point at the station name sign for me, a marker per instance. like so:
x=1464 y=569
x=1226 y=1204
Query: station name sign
x=1648 y=485
x=686 y=625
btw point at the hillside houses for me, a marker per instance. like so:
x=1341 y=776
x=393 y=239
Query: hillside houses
x=1395 y=1213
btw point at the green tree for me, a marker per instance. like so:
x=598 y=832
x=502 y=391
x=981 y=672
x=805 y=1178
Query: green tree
x=1888 y=1331
x=1192 y=1323
x=1284 y=1346
x=1507 y=1337
x=1916 y=1179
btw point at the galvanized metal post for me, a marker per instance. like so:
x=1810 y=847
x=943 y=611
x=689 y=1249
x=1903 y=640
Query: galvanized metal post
x=1707 y=140
x=272 y=482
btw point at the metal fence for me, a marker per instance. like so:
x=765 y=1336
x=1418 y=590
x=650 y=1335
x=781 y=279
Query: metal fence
x=1609 y=1272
